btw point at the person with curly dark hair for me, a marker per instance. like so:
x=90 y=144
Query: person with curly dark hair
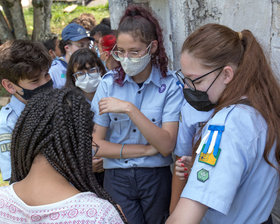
x=52 y=178
x=23 y=73
x=137 y=108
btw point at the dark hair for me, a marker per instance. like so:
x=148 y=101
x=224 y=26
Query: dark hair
x=57 y=124
x=143 y=25
x=218 y=45
x=80 y=58
x=86 y=20
x=101 y=29
x=62 y=44
x=50 y=41
x=106 y=21
x=21 y=59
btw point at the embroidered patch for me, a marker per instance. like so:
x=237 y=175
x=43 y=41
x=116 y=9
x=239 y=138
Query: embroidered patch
x=162 y=88
x=5 y=137
x=63 y=75
x=5 y=147
x=208 y=149
x=202 y=175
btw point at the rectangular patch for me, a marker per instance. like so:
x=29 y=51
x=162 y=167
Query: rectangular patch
x=209 y=158
x=5 y=137
x=5 y=147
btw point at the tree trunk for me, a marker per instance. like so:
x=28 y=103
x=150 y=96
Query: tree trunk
x=5 y=32
x=16 y=19
x=41 y=19
x=5 y=6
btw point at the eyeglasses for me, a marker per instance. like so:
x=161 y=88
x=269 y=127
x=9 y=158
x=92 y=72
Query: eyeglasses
x=120 y=54
x=95 y=148
x=80 y=75
x=189 y=82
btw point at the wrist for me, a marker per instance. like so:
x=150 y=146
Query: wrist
x=129 y=108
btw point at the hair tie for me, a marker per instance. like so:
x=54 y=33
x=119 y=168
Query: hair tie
x=240 y=35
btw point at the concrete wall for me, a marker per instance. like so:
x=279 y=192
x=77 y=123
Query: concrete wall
x=179 y=18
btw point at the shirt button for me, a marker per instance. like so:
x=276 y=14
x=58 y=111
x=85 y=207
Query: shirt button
x=125 y=161
x=7 y=108
x=115 y=119
x=139 y=92
x=153 y=119
x=134 y=130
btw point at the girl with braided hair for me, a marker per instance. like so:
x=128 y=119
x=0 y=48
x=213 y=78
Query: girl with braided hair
x=52 y=178
x=137 y=109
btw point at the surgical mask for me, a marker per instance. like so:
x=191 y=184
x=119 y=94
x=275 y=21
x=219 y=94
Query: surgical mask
x=90 y=83
x=134 y=66
x=28 y=93
x=198 y=99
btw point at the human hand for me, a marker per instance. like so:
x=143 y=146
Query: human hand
x=97 y=165
x=112 y=105
x=183 y=167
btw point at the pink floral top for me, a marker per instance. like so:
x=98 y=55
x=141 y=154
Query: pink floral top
x=82 y=208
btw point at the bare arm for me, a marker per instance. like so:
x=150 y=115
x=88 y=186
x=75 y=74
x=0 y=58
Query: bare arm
x=163 y=139
x=177 y=187
x=187 y=211
x=112 y=150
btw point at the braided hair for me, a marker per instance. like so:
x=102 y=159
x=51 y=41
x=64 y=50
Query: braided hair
x=57 y=124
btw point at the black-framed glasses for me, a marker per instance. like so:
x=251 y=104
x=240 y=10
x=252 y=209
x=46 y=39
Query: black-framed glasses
x=189 y=82
x=81 y=75
x=95 y=148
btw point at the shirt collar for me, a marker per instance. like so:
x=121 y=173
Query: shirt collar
x=154 y=77
x=17 y=105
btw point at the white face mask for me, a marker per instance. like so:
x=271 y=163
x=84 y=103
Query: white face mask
x=89 y=83
x=134 y=66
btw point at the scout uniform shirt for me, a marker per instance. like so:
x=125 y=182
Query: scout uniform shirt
x=230 y=175
x=159 y=99
x=191 y=121
x=58 y=72
x=8 y=118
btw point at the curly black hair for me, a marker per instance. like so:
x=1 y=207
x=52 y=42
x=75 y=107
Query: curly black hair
x=57 y=124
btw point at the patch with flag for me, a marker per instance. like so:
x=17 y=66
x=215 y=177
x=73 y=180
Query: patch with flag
x=209 y=148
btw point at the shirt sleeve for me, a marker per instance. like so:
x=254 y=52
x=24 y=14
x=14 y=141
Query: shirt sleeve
x=173 y=102
x=216 y=186
x=5 y=147
x=185 y=136
x=101 y=92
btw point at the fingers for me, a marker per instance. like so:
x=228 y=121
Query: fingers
x=97 y=164
x=183 y=167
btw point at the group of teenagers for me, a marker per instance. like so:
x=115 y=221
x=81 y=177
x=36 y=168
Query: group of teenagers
x=97 y=148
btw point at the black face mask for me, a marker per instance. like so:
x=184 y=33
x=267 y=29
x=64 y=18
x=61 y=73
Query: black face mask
x=28 y=93
x=198 y=99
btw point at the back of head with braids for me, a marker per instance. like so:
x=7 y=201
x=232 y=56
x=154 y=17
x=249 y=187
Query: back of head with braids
x=140 y=22
x=57 y=124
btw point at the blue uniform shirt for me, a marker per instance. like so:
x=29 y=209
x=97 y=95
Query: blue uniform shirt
x=159 y=99
x=191 y=121
x=8 y=118
x=241 y=188
x=57 y=72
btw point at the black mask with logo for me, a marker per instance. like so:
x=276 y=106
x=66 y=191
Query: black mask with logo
x=28 y=93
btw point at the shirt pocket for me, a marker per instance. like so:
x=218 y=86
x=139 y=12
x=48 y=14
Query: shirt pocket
x=154 y=115
x=118 y=124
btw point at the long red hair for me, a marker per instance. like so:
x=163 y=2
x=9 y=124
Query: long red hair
x=218 y=45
